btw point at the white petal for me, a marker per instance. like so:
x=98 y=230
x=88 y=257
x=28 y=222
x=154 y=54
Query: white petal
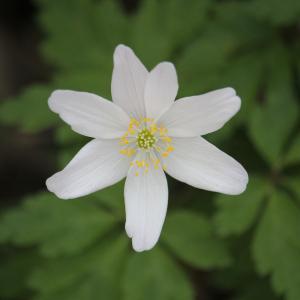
x=198 y=115
x=146 y=201
x=161 y=89
x=97 y=165
x=89 y=114
x=128 y=82
x=200 y=164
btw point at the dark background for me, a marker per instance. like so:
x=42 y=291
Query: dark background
x=22 y=164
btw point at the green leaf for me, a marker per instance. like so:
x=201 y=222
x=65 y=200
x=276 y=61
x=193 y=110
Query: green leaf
x=293 y=183
x=68 y=138
x=86 y=276
x=93 y=80
x=56 y=226
x=70 y=143
x=30 y=110
x=112 y=198
x=246 y=86
x=154 y=275
x=276 y=246
x=147 y=23
x=14 y=271
x=239 y=279
x=165 y=27
x=272 y=122
x=274 y=11
x=175 y=23
x=293 y=154
x=201 y=65
x=83 y=37
x=239 y=272
x=236 y=214
x=190 y=236
x=258 y=291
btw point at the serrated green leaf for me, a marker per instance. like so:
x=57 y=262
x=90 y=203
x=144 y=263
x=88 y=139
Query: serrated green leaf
x=165 y=27
x=240 y=280
x=239 y=272
x=147 y=24
x=154 y=275
x=57 y=227
x=275 y=12
x=68 y=138
x=86 y=276
x=246 y=86
x=272 y=122
x=174 y=22
x=16 y=265
x=237 y=213
x=113 y=198
x=293 y=154
x=29 y=111
x=70 y=142
x=83 y=37
x=202 y=63
x=190 y=236
x=276 y=246
x=93 y=80
x=293 y=183
x=258 y=291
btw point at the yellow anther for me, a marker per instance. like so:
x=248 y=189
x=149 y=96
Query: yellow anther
x=134 y=122
x=166 y=139
x=123 y=151
x=162 y=131
x=153 y=128
x=170 y=149
x=155 y=161
x=131 y=131
x=127 y=151
x=146 y=120
x=165 y=154
x=124 y=141
x=139 y=164
x=131 y=151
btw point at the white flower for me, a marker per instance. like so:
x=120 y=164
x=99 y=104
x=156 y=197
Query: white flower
x=141 y=134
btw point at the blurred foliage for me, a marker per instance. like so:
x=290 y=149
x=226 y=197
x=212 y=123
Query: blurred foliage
x=213 y=246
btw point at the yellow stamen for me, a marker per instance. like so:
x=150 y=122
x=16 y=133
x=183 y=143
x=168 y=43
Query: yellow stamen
x=144 y=135
x=170 y=149
x=127 y=151
x=165 y=154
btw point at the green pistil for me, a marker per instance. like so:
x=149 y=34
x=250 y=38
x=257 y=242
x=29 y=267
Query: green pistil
x=145 y=139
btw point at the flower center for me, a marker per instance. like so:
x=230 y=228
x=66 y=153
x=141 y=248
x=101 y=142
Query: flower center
x=150 y=140
x=145 y=139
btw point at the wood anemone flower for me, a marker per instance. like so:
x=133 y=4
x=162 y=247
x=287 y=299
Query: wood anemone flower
x=143 y=133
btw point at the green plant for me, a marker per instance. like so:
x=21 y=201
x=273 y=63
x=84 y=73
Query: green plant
x=77 y=250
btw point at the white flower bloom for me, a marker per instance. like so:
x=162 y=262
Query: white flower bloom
x=141 y=134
